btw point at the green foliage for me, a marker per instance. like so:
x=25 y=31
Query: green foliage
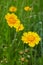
x=32 y=20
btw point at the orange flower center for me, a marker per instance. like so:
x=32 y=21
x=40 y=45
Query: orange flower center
x=12 y=20
x=19 y=27
x=31 y=38
x=13 y=9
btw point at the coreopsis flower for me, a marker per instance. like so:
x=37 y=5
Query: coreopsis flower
x=27 y=8
x=31 y=38
x=12 y=19
x=12 y=9
x=19 y=27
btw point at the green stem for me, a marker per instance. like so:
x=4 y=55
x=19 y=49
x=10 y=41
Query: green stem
x=31 y=52
x=14 y=38
x=35 y=52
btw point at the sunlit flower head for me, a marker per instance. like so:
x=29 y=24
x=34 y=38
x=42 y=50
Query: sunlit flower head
x=12 y=9
x=19 y=27
x=27 y=8
x=31 y=38
x=12 y=19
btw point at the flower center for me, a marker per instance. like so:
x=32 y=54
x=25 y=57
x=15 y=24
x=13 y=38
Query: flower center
x=13 y=9
x=19 y=27
x=31 y=38
x=12 y=20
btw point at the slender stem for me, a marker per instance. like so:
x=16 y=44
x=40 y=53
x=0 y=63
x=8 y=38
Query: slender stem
x=31 y=56
x=14 y=38
x=35 y=52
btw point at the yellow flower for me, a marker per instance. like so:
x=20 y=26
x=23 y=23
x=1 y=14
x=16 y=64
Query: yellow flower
x=12 y=19
x=12 y=9
x=19 y=27
x=31 y=38
x=27 y=8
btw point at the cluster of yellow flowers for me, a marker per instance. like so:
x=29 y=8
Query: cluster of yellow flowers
x=30 y=38
x=14 y=9
x=13 y=20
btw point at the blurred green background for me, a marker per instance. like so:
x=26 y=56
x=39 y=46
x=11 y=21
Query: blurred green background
x=32 y=21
